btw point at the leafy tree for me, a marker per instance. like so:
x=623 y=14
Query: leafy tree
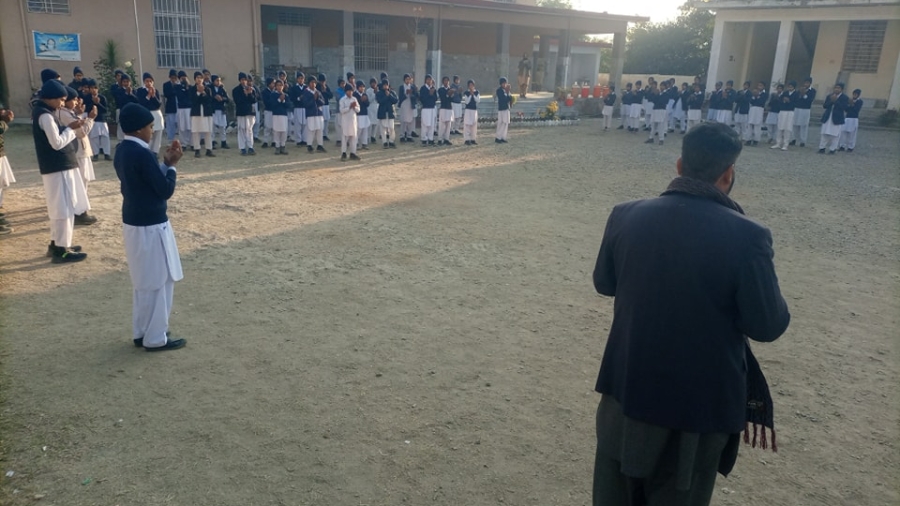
x=679 y=47
x=557 y=4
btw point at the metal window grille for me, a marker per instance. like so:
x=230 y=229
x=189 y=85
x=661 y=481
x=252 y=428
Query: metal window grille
x=370 y=39
x=294 y=17
x=178 y=33
x=862 y=51
x=49 y=6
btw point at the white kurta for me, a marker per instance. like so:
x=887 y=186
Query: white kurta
x=152 y=255
x=6 y=173
x=159 y=122
x=184 y=117
x=349 y=108
x=786 y=120
x=755 y=117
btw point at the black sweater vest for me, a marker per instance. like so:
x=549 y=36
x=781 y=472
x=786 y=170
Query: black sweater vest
x=49 y=159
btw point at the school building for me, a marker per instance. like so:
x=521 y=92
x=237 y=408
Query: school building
x=856 y=42
x=477 y=39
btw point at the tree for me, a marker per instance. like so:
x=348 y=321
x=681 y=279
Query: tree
x=556 y=4
x=679 y=47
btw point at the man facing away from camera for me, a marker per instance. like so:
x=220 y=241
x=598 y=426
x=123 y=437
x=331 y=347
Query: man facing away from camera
x=692 y=278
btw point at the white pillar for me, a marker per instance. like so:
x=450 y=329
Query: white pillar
x=715 y=52
x=349 y=59
x=782 y=52
x=618 y=61
x=421 y=55
x=503 y=49
x=894 y=98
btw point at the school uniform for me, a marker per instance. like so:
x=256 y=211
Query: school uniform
x=58 y=164
x=445 y=114
x=296 y=93
x=851 y=125
x=99 y=135
x=726 y=106
x=772 y=115
x=154 y=264
x=154 y=105
x=636 y=110
x=265 y=98
x=753 y=129
x=428 y=97
x=713 y=111
x=470 y=120
x=802 y=114
x=407 y=103
x=659 y=123
x=184 y=98
x=386 y=101
x=327 y=96
x=114 y=90
x=277 y=107
x=83 y=151
x=504 y=103
x=363 y=121
x=677 y=116
x=349 y=109
x=625 y=110
x=256 y=113
x=457 y=105
x=220 y=120
x=833 y=121
x=785 y=119
x=313 y=102
x=647 y=108
x=170 y=110
x=244 y=98
x=338 y=95
x=742 y=109
x=201 y=118
x=374 y=127
x=6 y=174
x=695 y=108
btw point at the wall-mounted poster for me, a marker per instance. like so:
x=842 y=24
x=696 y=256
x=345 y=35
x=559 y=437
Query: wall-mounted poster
x=57 y=46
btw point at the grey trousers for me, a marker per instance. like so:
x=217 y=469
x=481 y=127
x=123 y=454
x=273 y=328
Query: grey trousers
x=639 y=464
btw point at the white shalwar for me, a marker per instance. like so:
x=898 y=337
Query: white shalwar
x=220 y=122
x=848 y=134
x=362 y=129
x=6 y=176
x=445 y=120
x=279 y=130
x=314 y=128
x=753 y=128
x=659 y=124
x=830 y=133
x=607 y=116
x=470 y=125
x=349 y=108
x=801 y=125
x=99 y=138
x=184 y=124
x=428 y=124
x=785 y=128
x=201 y=126
x=299 y=124
x=373 y=113
x=245 y=131
x=502 y=125
x=267 y=126
x=63 y=190
x=457 y=115
x=387 y=130
x=154 y=266
x=159 y=126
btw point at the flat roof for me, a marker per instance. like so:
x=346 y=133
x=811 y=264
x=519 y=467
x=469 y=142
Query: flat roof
x=786 y=4
x=533 y=9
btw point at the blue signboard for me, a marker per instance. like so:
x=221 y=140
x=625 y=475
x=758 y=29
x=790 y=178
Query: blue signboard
x=57 y=46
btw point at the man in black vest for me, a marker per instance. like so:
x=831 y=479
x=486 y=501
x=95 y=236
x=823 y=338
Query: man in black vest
x=692 y=278
x=58 y=165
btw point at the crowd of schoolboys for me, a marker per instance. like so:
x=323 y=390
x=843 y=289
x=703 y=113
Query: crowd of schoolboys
x=782 y=114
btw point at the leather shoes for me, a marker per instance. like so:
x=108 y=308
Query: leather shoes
x=139 y=342
x=171 y=344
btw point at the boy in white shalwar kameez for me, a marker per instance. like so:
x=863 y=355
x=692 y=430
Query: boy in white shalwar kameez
x=349 y=107
x=63 y=187
x=73 y=110
x=153 y=261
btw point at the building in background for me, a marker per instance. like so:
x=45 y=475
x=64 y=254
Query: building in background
x=852 y=41
x=478 y=39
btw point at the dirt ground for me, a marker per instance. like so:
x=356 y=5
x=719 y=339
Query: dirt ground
x=421 y=328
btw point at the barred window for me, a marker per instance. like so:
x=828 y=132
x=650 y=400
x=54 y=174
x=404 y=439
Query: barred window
x=178 y=33
x=294 y=17
x=49 y=6
x=370 y=38
x=862 y=51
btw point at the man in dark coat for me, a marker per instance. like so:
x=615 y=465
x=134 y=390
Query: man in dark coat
x=692 y=278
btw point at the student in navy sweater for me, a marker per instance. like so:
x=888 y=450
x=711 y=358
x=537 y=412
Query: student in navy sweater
x=313 y=102
x=278 y=105
x=387 y=99
x=851 y=123
x=171 y=105
x=99 y=135
x=504 y=103
x=805 y=98
x=693 y=279
x=446 y=94
x=428 y=97
x=362 y=119
x=153 y=260
x=608 y=102
x=220 y=121
x=183 y=96
x=201 y=115
x=56 y=150
x=148 y=96
x=244 y=96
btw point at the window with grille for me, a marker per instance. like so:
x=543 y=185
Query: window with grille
x=370 y=38
x=49 y=6
x=178 y=34
x=293 y=17
x=862 y=51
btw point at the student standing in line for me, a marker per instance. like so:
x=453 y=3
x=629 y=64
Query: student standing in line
x=6 y=173
x=220 y=121
x=713 y=111
x=77 y=79
x=326 y=94
x=171 y=105
x=753 y=128
x=338 y=95
x=695 y=106
x=457 y=106
x=742 y=108
x=73 y=110
x=786 y=116
x=349 y=108
x=609 y=101
x=659 y=123
x=428 y=98
x=625 y=108
x=296 y=93
x=99 y=136
x=833 y=120
x=805 y=98
x=504 y=103
x=362 y=118
x=313 y=102
x=726 y=104
x=679 y=111
x=637 y=107
x=278 y=106
x=264 y=97
x=445 y=115
x=470 y=101
x=851 y=122
x=772 y=116
x=372 y=94
x=386 y=99
x=201 y=116
x=407 y=98
x=183 y=96
x=244 y=97
x=148 y=96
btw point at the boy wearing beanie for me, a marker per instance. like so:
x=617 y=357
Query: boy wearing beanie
x=72 y=110
x=150 y=248
x=428 y=97
x=148 y=96
x=313 y=102
x=183 y=96
x=504 y=102
x=171 y=106
x=56 y=153
x=244 y=97
x=349 y=108
x=201 y=115
x=386 y=99
x=220 y=99
x=99 y=134
x=470 y=122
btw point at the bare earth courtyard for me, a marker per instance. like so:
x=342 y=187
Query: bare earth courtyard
x=421 y=328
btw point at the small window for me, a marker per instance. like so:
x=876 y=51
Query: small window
x=370 y=38
x=178 y=34
x=862 y=52
x=49 y=6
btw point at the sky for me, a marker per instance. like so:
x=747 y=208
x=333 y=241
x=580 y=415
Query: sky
x=656 y=10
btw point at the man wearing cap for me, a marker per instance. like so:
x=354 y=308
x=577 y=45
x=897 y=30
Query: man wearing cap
x=244 y=97
x=185 y=101
x=150 y=248
x=56 y=153
x=171 y=105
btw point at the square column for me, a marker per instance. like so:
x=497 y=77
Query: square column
x=502 y=50
x=618 y=60
x=782 y=52
x=715 y=53
x=348 y=60
x=563 y=58
x=894 y=97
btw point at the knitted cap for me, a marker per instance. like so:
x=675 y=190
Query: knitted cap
x=503 y=80
x=182 y=73
x=77 y=70
x=146 y=76
x=242 y=75
x=322 y=77
x=53 y=89
x=48 y=74
x=71 y=94
x=173 y=73
x=198 y=74
x=213 y=77
x=134 y=117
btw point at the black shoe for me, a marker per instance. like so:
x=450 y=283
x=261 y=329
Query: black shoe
x=343 y=157
x=325 y=138
x=474 y=143
x=792 y=143
x=309 y=149
x=468 y=143
x=440 y=142
x=197 y=154
x=448 y=143
x=85 y=219
x=841 y=148
x=265 y=144
x=301 y=144
x=226 y=146
x=649 y=141
x=431 y=143
x=661 y=142
x=496 y=141
x=215 y=145
x=337 y=143
x=171 y=344
x=849 y=150
x=107 y=158
x=321 y=149
x=251 y=152
x=210 y=153
x=95 y=158
x=832 y=152
x=353 y=156
x=424 y=143
x=414 y=134
x=802 y=144
x=821 y=151
x=373 y=140
x=52 y=248
x=364 y=147
x=392 y=145
x=139 y=342
x=621 y=127
x=256 y=139
x=63 y=255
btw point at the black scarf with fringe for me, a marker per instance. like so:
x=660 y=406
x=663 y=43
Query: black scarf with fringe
x=759 y=402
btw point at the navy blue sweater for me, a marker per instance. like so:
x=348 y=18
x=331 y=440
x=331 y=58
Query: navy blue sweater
x=504 y=100
x=386 y=101
x=102 y=107
x=169 y=94
x=145 y=189
x=690 y=278
x=152 y=104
